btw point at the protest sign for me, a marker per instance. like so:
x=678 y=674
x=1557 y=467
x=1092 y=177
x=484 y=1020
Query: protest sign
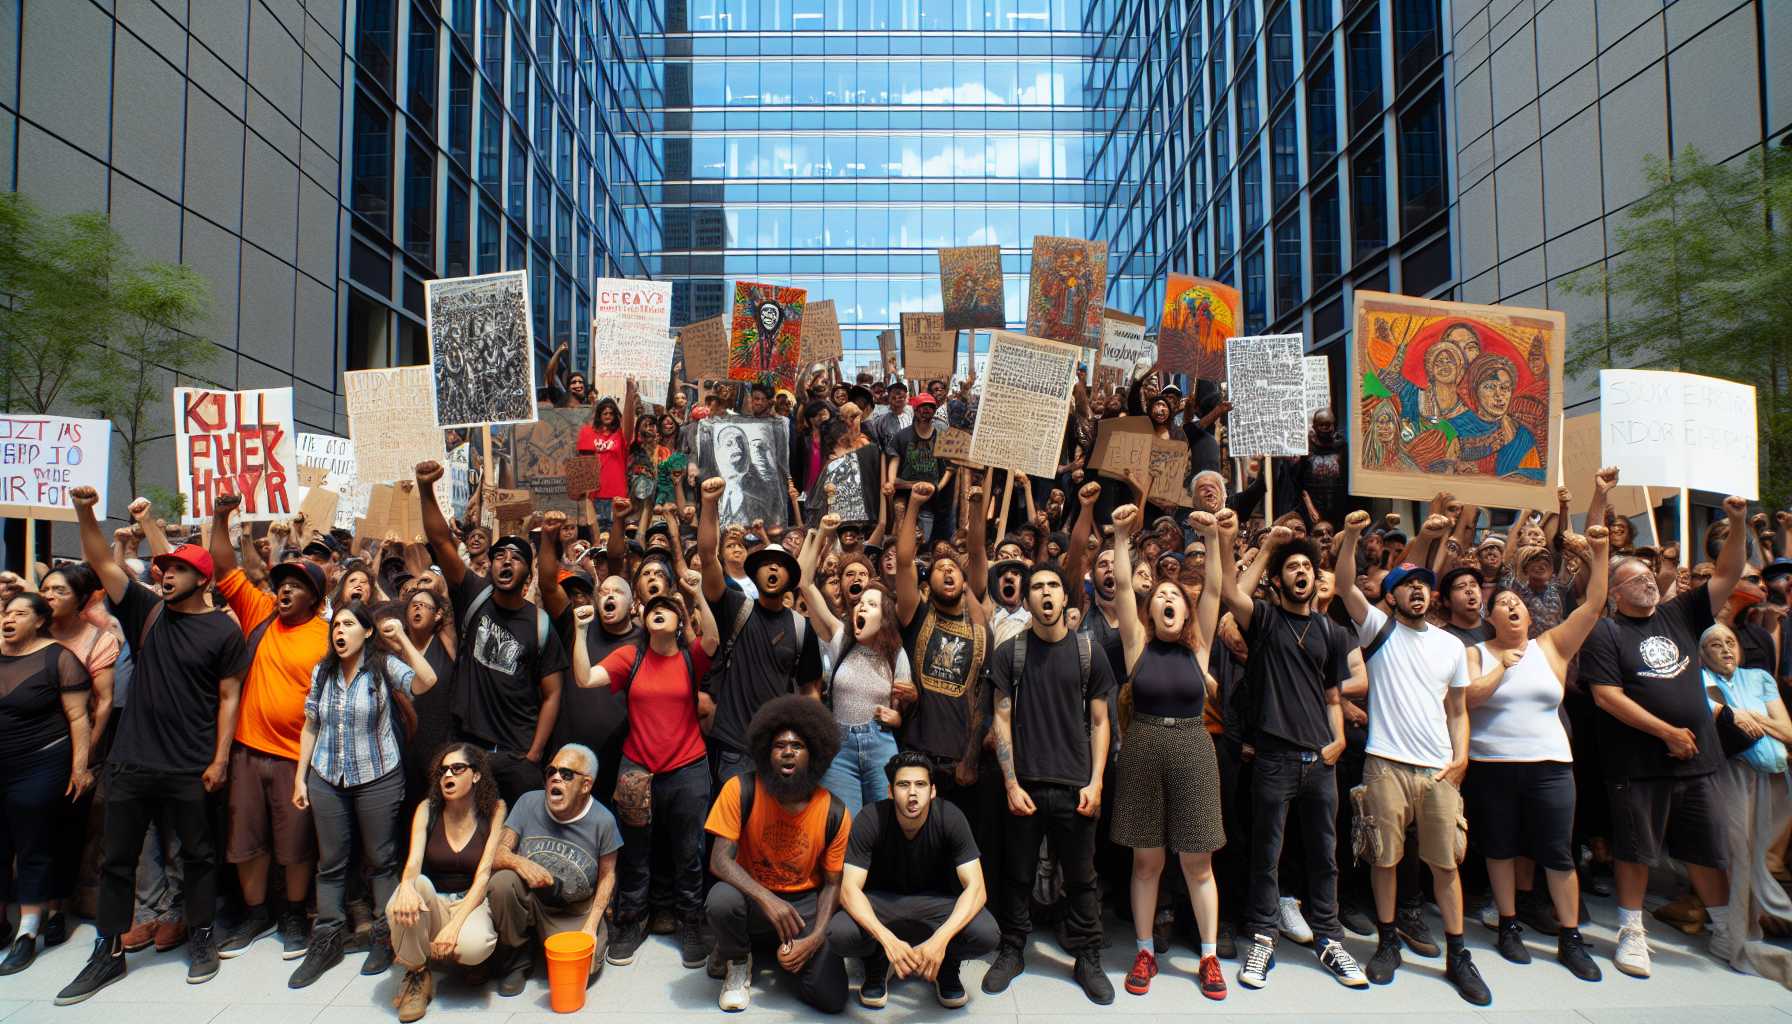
x=42 y=458
x=848 y=499
x=1266 y=382
x=1199 y=316
x=752 y=456
x=335 y=458
x=886 y=352
x=319 y=506
x=1668 y=429
x=481 y=349
x=765 y=335
x=1123 y=343
x=952 y=444
x=391 y=422
x=584 y=474
x=929 y=351
x=460 y=478
x=1319 y=385
x=1067 y=292
x=629 y=323
x=1168 y=469
x=235 y=442
x=1581 y=453
x=541 y=449
x=705 y=349
x=971 y=287
x=821 y=332
x=1122 y=446
x=1026 y=384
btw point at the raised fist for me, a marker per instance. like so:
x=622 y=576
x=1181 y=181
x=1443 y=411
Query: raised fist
x=1605 y=479
x=1357 y=521
x=428 y=472
x=830 y=522
x=1227 y=521
x=692 y=580
x=1391 y=520
x=139 y=509
x=923 y=491
x=621 y=507
x=1436 y=525
x=1735 y=507
x=553 y=520
x=1126 y=517
x=712 y=488
x=226 y=503
x=1598 y=537
x=87 y=497
x=1564 y=496
x=392 y=630
x=1280 y=535
x=583 y=614
x=1203 y=522
x=280 y=528
x=1090 y=493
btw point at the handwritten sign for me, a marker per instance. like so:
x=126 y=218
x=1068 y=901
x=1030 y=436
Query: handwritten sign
x=629 y=322
x=42 y=458
x=952 y=444
x=541 y=449
x=705 y=349
x=1168 y=468
x=1580 y=460
x=886 y=351
x=391 y=419
x=460 y=478
x=1267 y=384
x=235 y=442
x=821 y=332
x=1679 y=430
x=1319 y=385
x=1123 y=343
x=1122 y=447
x=1026 y=390
x=334 y=458
x=584 y=473
x=929 y=351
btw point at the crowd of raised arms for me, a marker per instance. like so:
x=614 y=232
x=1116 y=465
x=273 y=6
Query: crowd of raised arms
x=901 y=741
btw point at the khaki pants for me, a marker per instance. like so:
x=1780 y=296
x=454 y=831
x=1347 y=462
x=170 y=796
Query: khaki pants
x=1397 y=797
x=411 y=943
x=517 y=910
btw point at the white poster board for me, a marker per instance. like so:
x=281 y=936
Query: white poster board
x=630 y=321
x=42 y=458
x=1319 y=385
x=336 y=457
x=235 y=442
x=1026 y=398
x=1266 y=382
x=1666 y=429
x=1123 y=342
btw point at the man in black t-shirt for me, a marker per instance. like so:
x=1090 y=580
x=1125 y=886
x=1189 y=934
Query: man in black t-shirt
x=912 y=889
x=1658 y=740
x=912 y=461
x=172 y=748
x=1460 y=593
x=508 y=674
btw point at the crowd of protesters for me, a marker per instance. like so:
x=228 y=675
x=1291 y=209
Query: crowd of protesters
x=902 y=738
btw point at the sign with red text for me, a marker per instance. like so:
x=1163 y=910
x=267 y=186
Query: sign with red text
x=235 y=442
x=42 y=458
x=630 y=322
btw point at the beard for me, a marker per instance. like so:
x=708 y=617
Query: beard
x=786 y=790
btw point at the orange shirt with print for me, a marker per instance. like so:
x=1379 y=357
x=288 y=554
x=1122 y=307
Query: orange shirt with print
x=783 y=852
x=271 y=713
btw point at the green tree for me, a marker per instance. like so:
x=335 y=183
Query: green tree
x=1704 y=285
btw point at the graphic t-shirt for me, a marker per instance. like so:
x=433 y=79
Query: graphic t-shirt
x=784 y=852
x=945 y=653
x=914 y=456
x=498 y=672
x=1655 y=661
x=569 y=850
x=927 y=864
x=271 y=714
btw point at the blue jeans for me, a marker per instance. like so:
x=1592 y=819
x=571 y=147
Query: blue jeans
x=857 y=774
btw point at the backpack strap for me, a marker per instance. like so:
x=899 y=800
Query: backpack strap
x=749 y=783
x=836 y=818
x=836 y=809
x=542 y=625
x=1381 y=637
x=149 y=621
x=1085 y=657
x=257 y=633
x=473 y=606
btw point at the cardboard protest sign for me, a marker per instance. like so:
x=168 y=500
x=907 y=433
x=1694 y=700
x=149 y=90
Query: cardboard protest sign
x=752 y=456
x=929 y=351
x=849 y=500
x=1123 y=343
x=541 y=450
x=821 y=332
x=334 y=458
x=1026 y=389
x=42 y=458
x=1668 y=429
x=460 y=478
x=235 y=442
x=1168 y=469
x=512 y=507
x=481 y=350
x=1266 y=381
x=629 y=324
x=1319 y=385
x=1581 y=451
x=1068 y=290
x=765 y=337
x=971 y=287
x=584 y=473
x=1122 y=446
x=952 y=444
x=886 y=353
x=391 y=424
x=705 y=346
x=320 y=505
x=1199 y=315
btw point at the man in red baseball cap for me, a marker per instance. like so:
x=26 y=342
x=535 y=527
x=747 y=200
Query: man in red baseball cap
x=912 y=461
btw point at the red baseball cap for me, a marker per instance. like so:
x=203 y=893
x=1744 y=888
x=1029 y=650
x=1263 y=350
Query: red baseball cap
x=921 y=399
x=700 y=412
x=192 y=555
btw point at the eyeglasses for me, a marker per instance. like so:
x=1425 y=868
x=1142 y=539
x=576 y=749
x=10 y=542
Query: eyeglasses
x=563 y=773
x=457 y=769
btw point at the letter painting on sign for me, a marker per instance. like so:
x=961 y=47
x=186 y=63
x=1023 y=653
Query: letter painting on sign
x=42 y=458
x=765 y=345
x=480 y=349
x=1026 y=387
x=630 y=321
x=971 y=287
x=1267 y=385
x=929 y=351
x=1456 y=397
x=1667 y=429
x=235 y=442
x=1199 y=316
x=1068 y=290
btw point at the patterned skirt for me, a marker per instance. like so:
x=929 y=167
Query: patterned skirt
x=1167 y=793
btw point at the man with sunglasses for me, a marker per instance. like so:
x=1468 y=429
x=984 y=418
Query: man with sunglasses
x=556 y=866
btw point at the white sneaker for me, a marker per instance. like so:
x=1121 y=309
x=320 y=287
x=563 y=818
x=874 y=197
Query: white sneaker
x=1290 y=923
x=1632 y=956
x=1490 y=915
x=1336 y=959
x=737 y=987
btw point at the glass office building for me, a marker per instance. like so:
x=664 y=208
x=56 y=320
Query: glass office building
x=835 y=144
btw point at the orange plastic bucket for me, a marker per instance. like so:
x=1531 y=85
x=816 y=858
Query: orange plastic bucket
x=569 y=965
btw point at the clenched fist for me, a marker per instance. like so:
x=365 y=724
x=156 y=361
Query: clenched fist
x=712 y=488
x=226 y=503
x=923 y=491
x=428 y=472
x=1356 y=522
x=87 y=497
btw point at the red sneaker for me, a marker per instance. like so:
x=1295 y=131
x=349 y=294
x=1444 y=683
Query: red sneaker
x=1144 y=968
x=1213 y=980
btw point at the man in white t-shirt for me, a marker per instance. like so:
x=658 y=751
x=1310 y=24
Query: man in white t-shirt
x=1417 y=753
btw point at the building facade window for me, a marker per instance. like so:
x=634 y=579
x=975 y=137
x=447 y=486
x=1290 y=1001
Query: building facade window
x=1322 y=117
x=1422 y=161
x=1369 y=200
x=371 y=189
x=1365 y=70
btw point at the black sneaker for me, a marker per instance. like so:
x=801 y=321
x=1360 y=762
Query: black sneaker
x=693 y=948
x=1571 y=952
x=1227 y=945
x=1094 y=980
x=1461 y=972
x=379 y=954
x=626 y=940
x=874 y=991
x=1538 y=913
x=1410 y=923
x=1336 y=959
x=1008 y=964
x=1258 y=962
x=55 y=929
x=24 y=950
x=202 y=955
x=519 y=963
x=324 y=953
x=104 y=967
x=295 y=934
x=255 y=924
x=1511 y=943
x=947 y=988
x=1385 y=961
x=1355 y=921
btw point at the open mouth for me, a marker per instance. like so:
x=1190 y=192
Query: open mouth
x=858 y=624
x=787 y=769
x=341 y=644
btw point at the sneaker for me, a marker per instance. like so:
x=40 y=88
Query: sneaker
x=55 y=929
x=1290 y=923
x=1144 y=968
x=202 y=956
x=1461 y=972
x=170 y=935
x=255 y=924
x=141 y=936
x=24 y=950
x=295 y=934
x=1410 y=923
x=626 y=941
x=662 y=922
x=519 y=963
x=874 y=991
x=737 y=987
x=1008 y=963
x=1255 y=972
x=379 y=952
x=947 y=987
x=1213 y=980
x=693 y=948
x=1088 y=973
x=1228 y=942
x=414 y=994
x=1722 y=945
x=1511 y=943
x=1355 y=921
x=104 y=967
x=1571 y=952
x=1385 y=962
x=1160 y=930
x=1538 y=913
x=1632 y=956
x=324 y=953
x=1336 y=959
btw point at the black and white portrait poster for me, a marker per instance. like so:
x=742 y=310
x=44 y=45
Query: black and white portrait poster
x=480 y=349
x=752 y=456
x=846 y=476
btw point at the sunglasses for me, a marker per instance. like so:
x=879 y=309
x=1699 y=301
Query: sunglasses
x=563 y=773
x=457 y=769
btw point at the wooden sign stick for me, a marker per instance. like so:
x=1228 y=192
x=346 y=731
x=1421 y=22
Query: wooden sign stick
x=1007 y=499
x=1649 y=512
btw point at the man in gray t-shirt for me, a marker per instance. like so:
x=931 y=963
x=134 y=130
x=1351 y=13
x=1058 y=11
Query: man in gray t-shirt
x=555 y=870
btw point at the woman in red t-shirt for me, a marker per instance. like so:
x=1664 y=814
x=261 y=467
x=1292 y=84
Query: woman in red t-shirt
x=608 y=437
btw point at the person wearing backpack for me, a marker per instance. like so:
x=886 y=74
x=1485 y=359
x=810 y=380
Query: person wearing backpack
x=663 y=779
x=1051 y=728
x=507 y=674
x=778 y=857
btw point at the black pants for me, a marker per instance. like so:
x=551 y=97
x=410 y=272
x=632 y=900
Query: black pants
x=515 y=774
x=32 y=825
x=1231 y=867
x=175 y=801
x=914 y=919
x=1072 y=838
x=680 y=806
x=740 y=927
x=1284 y=780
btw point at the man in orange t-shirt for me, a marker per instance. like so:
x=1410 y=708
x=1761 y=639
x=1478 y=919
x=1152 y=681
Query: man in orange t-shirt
x=264 y=826
x=778 y=874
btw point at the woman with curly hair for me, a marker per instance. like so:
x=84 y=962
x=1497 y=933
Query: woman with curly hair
x=438 y=911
